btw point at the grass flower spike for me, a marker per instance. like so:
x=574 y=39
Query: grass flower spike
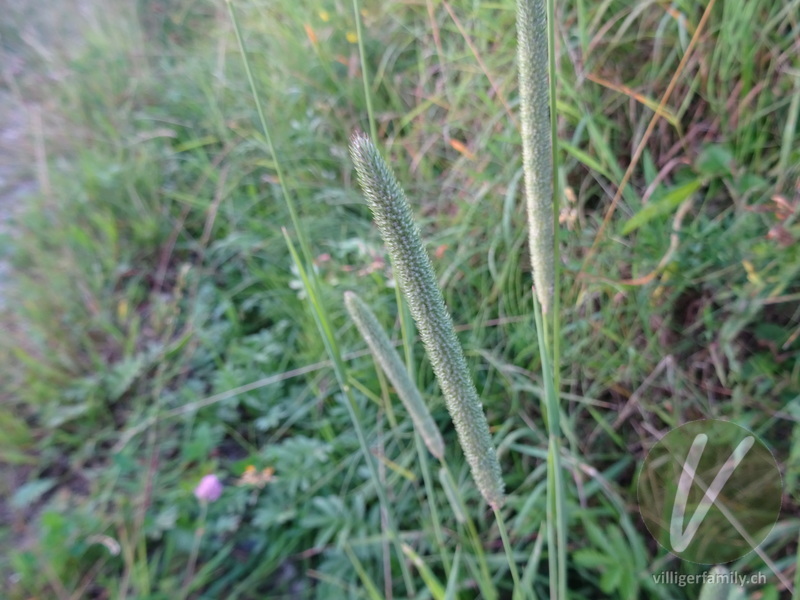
x=416 y=277
x=384 y=353
x=537 y=150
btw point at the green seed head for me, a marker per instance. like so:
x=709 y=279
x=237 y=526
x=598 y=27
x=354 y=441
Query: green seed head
x=537 y=157
x=417 y=280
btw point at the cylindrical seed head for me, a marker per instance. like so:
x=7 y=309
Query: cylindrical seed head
x=417 y=280
x=537 y=150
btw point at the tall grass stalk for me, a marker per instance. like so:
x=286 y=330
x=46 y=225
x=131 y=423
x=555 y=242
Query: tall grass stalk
x=536 y=60
x=364 y=70
x=406 y=328
x=321 y=318
x=512 y=563
x=432 y=505
x=320 y=315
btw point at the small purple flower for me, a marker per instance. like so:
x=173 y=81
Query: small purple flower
x=209 y=489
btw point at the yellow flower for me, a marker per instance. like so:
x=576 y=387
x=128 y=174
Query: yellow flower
x=324 y=15
x=352 y=37
x=251 y=477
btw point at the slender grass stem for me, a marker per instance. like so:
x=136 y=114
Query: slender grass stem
x=402 y=310
x=364 y=70
x=304 y=245
x=487 y=588
x=537 y=67
x=512 y=564
x=436 y=521
x=556 y=314
x=552 y=537
x=556 y=497
x=406 y=330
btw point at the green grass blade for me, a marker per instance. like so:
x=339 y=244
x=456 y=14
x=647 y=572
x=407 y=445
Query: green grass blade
x=366 y=580
x=512 y=563
x=364 y=70
x=451 y=592
x=661 y=206
x=435 y=586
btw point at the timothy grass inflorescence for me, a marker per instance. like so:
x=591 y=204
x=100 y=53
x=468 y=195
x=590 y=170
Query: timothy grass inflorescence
x=537 y=149
x=417 y=279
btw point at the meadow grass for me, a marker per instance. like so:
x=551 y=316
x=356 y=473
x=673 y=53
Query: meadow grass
x=159 y=328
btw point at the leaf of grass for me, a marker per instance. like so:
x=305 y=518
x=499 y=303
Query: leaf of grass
x=369 y=585
x=452 y=582
x=663 y=206
x=533 y=562
x=435 y=587
x=586 y=159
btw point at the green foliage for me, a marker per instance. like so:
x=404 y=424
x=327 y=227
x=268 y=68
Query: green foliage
x=155 y=330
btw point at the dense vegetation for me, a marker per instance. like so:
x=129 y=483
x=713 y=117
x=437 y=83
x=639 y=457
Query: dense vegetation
x=157 y=330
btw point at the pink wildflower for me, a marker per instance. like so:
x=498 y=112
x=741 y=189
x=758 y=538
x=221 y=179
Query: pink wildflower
x=209 y=489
